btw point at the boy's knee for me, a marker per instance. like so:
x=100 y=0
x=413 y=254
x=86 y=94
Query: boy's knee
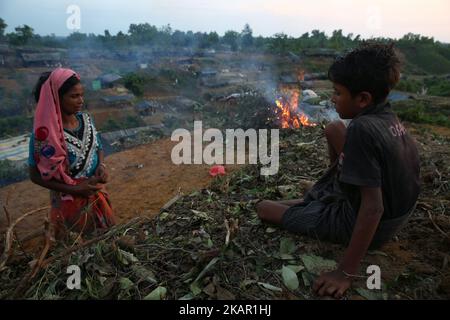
x=334 y=128
x=261 y=209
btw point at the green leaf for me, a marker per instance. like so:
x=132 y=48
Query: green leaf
x=287 y=246
x=195 y=288
x=285 y=256
x=90 y=288
x=296 y=269
x=144 y=274
x=377 y=253
x=308 y=278
x=125 y=284
x=200 y=214
x=163 y=216
x=157 y=294
x=315 y=264
x=207 y=268
x=246 y=283
x=271 y=230
x=188 y=296
x=290 y=278
x=126 y=257
x=370 y=294
x=270 y=287
x=102 y=280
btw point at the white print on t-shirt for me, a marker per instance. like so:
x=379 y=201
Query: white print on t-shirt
x=398 y=130
x=341 y=159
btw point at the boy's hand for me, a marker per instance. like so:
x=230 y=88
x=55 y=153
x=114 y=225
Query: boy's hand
x=333 y=284
x=101 y=173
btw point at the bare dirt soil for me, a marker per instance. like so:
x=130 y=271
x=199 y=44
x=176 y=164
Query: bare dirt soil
x=142 y=180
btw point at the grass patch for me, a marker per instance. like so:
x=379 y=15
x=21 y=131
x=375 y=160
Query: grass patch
x=418 y=112
x=127 y=123
x=12 y=126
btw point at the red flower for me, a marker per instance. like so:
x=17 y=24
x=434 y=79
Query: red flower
x=217 y=170
x=41 y=133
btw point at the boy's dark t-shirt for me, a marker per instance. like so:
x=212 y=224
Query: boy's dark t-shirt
x=379 y=152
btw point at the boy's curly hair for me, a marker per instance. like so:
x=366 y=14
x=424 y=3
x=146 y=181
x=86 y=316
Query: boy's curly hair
x=373 y=67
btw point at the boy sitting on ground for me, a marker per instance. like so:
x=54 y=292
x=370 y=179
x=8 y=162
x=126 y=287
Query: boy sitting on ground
x=373 y=184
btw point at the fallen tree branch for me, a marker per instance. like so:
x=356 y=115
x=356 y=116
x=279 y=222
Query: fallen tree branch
x=15 y=236
x=33 y=235
x=41 y=263
x=227 y=237
x=437 y=227
x=9 y=236
x=171 y=202
x=45 y=250
x=113 y=231
x=8 y=216
x=37 y=266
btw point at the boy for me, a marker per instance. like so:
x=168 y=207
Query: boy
x=373 y=185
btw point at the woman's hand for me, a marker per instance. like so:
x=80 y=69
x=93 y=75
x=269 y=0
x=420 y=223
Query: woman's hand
x=333 y=284
x=87 y=188
x=101 y=173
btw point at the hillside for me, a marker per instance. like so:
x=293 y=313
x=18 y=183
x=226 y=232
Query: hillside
x=210 y=243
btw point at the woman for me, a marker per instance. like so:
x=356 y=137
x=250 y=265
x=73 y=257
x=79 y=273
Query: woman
x=66 y=156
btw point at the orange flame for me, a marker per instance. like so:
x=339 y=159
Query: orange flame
x=289 y=114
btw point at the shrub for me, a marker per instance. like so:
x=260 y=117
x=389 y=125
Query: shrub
x=413 y=86
x=15 y=125
x=417 y=112
x=12 y=171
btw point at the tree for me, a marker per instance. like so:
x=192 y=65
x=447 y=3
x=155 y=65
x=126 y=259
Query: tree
x=337 y=39
x=142 y=33
x=121 y=39
x=231 y=38
x=106 y=37
x=135 y=83
x=212 y=39
x=165 y=35
x=415 y=39
x=179 y=38
x=259 y=42
x=3 y=26
x=279 y=43
x=201 y=39
x=21 y=36
x=247 y=36
x=77 y=37
x=318 y=39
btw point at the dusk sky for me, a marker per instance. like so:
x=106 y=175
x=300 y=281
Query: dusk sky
x=388 y=18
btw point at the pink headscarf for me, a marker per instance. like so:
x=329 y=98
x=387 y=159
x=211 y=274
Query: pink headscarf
x=51 y=153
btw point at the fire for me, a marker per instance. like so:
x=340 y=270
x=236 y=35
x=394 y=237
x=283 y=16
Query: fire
x=289 y=114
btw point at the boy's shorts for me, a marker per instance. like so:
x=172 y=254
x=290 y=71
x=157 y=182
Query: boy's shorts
x=335 y=222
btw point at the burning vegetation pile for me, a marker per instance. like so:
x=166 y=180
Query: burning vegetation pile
x=211 y=244
x=289 y=114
